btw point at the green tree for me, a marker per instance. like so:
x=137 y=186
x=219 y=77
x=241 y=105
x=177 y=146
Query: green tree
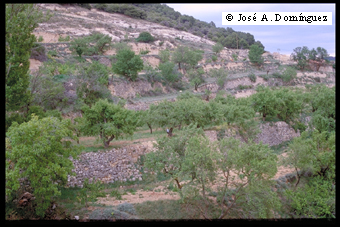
x=265 y=102
x=164 y=56
x=21 y=20
x=247 y=169
x=313 y=152
x=91 y=82
x=40 y=151
x=288 y=75
x=169 y=72
x=78 y=46
x=289 y=105
x=196 y=77
x=109 y=121
x=301 y=56
x=186 y=57
x=255 y=55
x=217 y=48
x=128 y=64
x=145 y=37
x=171 y=153
x=323 y=108
x=220 y=75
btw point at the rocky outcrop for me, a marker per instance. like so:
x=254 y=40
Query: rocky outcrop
x=107 y=166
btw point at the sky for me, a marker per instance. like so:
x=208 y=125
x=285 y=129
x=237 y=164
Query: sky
x=275 y=38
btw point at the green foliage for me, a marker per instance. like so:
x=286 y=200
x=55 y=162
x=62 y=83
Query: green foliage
x=171 y=153
x=40 y=39
x=241 y=87
x=91 y=82
x=323 y=108
x=220 y=75
x=164 y=56
x=64 y=39
x=255 y=165
x=14 y=117
x=214 y=58
x=217 y=48
x=127 y=9
x=196 y=77
x=145 y=37
x=128 y=64
x=47 y=92
x=89 y=191
x=289 y=74
x=109 y=121
x=21 y=20
x=120 y=46
x=169 y=73
x=116 y=194
x=265 y=102
x=314 y=200
x=143 y=52
x=252 y=77
x=127 y=208
x=39 y=150
x=186 y=57
x=94 y=44
x=234 y=56
x=255 y=55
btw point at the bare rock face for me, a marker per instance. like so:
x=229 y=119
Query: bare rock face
x=276 y=133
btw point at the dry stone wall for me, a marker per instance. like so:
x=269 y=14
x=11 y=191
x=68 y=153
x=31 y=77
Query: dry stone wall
x=107 y=166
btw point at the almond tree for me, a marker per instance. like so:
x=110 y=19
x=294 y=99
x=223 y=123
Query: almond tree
x=40 y=151
x=109 y=121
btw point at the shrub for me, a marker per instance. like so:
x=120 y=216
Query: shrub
x=252 y=77
x=241 y=87
x=265 y=77
x=145 y=37
x=38 y=52
x=127 y=208
x=53 y=53
x=276 y=75
x=214 y=58
x=40 y=39
x=62 y=39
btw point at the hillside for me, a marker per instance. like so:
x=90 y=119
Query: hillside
x=204 y=120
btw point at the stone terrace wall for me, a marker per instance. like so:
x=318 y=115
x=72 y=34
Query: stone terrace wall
x=107 y=166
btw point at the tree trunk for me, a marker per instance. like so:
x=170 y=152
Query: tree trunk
x=264 y=116
x=178 y=184
x=107 y=143
x=170 y=132
x=149 y=125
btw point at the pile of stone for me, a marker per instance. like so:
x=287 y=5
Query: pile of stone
x=107 y=166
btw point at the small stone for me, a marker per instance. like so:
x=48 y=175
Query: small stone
x=76 y=217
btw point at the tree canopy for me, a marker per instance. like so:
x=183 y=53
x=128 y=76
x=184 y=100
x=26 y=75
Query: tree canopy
x=108 y=121
x=39 y=150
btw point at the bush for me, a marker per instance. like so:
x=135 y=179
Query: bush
x=276 y=75
x=38 y=52
x=145 y=37
x=62 y=39
x=265 y=77
x=214 y=58
x=252 y=77
x=127 y=208
x=241 y=87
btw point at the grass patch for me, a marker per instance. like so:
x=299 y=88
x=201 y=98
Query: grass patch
x=280 y=148
x=162 y=209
